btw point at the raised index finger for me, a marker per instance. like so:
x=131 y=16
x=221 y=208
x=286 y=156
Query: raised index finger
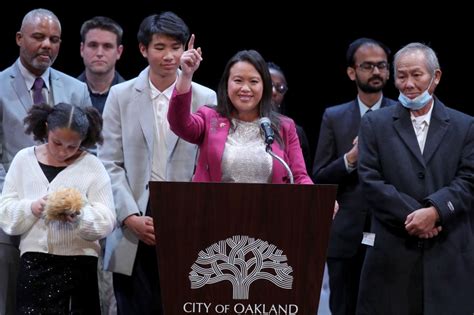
x=191 y=42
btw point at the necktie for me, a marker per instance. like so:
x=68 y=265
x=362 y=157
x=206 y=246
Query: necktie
x=368 y=111
x=38 y=97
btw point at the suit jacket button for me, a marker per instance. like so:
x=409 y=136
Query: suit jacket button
x=421 y=175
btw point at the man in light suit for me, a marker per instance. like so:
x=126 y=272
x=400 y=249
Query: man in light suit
x=416 y=166
x=39 y=39
x=336 y=163
x=139 y=147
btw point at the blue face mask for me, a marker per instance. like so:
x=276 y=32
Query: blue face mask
x=418 y=102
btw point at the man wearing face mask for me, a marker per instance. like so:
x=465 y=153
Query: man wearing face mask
x=416 y=166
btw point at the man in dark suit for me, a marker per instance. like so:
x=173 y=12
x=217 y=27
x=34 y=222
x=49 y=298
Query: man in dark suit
x=416 y=166
x=336 y=163
x=39 y=39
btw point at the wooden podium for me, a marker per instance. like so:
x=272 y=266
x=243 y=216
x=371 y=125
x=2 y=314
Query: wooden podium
x=241 y=248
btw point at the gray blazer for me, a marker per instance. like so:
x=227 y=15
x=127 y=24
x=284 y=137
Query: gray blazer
x=127 y=154
x=15 y=101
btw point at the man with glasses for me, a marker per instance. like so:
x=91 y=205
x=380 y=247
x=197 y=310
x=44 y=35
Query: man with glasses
x=336 y=163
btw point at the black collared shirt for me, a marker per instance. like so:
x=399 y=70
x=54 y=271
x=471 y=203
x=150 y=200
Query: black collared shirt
x=98 y=99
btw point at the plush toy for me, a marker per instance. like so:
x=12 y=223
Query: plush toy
x=63 y=205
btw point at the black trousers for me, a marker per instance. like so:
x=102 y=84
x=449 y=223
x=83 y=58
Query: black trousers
x=344 y=277
x=139 y=293
x=54 y=284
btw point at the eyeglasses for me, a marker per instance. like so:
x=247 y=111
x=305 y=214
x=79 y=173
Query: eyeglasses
x=369 y=66
x=280 y=87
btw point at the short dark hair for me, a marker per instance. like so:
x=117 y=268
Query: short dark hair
x=166 y=23
x=103 y=23
x=355 y=45
x=87 y=122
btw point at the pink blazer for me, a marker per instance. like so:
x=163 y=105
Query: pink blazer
x=209 y=130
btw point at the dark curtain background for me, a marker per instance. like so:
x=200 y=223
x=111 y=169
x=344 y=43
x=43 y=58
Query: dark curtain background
x=309 y=44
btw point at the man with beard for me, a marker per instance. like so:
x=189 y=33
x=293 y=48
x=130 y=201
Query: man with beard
x=30 y=80
x=336 y=163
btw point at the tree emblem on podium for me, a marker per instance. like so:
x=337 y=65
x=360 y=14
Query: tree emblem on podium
x=241 y=260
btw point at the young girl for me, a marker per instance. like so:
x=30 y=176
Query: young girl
x=58 y=264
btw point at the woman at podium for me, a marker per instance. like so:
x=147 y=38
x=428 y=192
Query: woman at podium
x=235 y=135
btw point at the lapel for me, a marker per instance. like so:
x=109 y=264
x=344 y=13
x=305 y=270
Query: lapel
x=172 y=141
x=439 y=124
x=144 y=105
x=57 y=94
x=384 y=102
x=279 y=173
x=353 y=120
x=20 y=88
x=219 y=128
x=171 y=137
x=404 y=128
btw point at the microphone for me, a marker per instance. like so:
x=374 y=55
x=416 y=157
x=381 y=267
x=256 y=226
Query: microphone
x=266 y=126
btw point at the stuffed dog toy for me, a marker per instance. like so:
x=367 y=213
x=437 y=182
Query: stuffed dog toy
x=63 y=205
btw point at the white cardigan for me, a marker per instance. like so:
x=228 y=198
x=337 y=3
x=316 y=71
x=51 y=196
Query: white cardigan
x=25 y=182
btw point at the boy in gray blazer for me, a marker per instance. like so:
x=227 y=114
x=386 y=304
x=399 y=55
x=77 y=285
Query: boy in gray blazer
x=139 y=147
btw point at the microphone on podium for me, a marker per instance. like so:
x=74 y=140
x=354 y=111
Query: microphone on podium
x=266 y=126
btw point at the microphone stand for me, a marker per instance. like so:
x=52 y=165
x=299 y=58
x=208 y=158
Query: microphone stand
x=290 y=174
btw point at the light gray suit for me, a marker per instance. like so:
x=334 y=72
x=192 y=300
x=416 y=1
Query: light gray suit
x=15 y=101
x=127 y=154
